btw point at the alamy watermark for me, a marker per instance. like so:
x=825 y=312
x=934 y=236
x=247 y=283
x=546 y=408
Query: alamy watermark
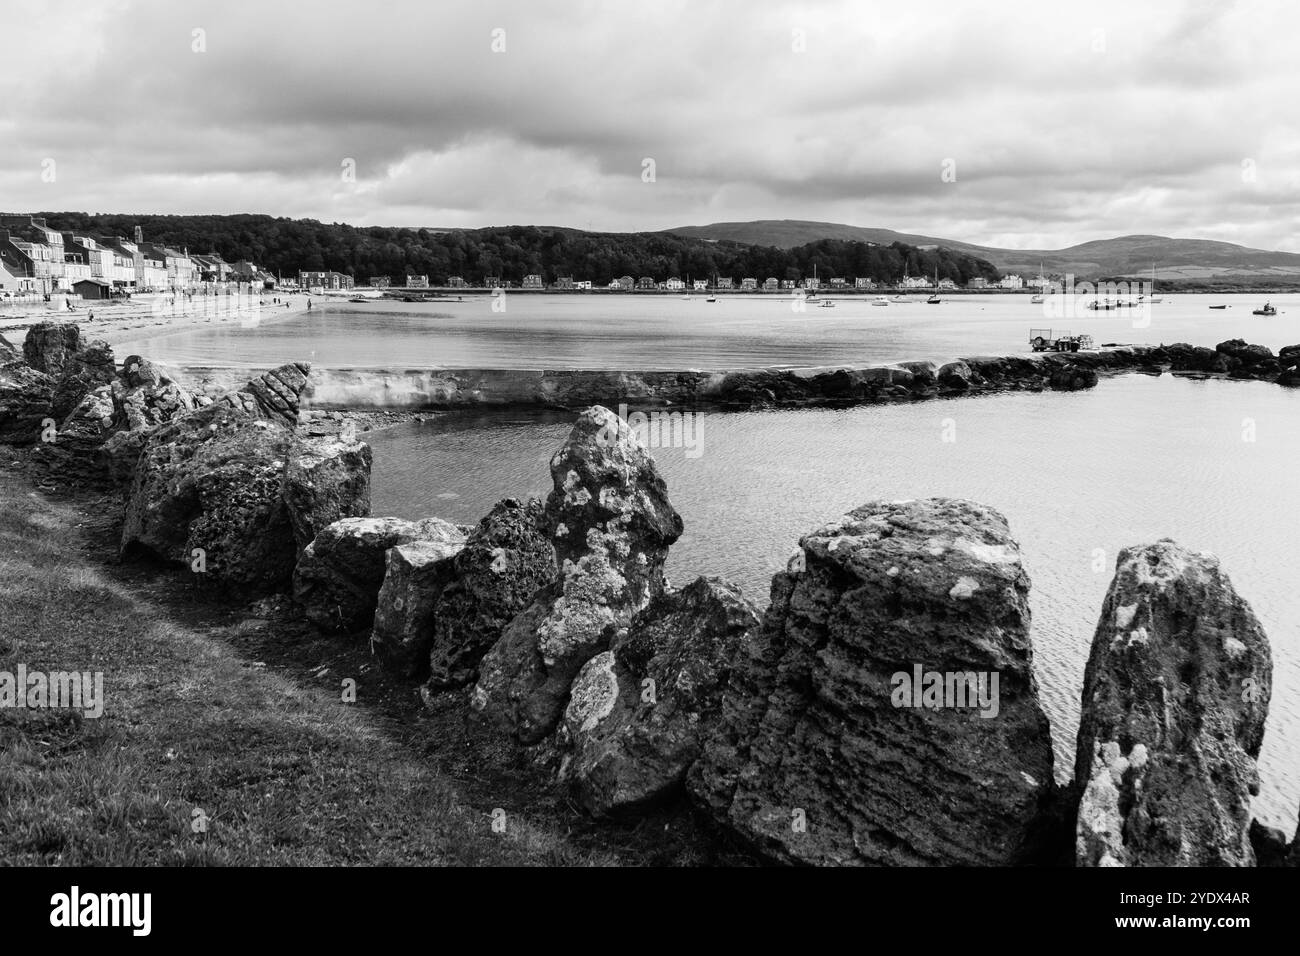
x=935 y=690
x=55 y=690
x=660 y=429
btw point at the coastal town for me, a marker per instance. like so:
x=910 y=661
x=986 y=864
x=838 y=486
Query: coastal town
x=38 y=262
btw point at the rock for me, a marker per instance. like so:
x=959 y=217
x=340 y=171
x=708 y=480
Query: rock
x=1195 y=358
x=1269 y=844
x=611 y=527
x=1288 y=356
x=955 y=375
x=829 y=749
x=9 y=352
x=326 y=479
x=637 y=713
x=1072 y=378
x=338 y=576
x=414 y=578
x=118 y=456
x=1290 y=378
x=1248 y=355
x=507 y=558
x=49 y=345
x=1174 y=700
x=278 y=393
x=83 y=371
x=25 y=403
x=145 y=395
x=212 y=481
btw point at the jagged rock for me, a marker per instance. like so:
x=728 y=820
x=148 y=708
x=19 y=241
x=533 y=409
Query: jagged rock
x=338 y=576
x=1174 y=700
x=507 y=558
x=414 y=577
x=118 y=454
x=209 y=485
x=49 y=345
x=25 y=397
x=326 y=479
x=278 y=393
x=83 y=371
x=637 y=713
x=611 y=527
x=830 y=750
x=1290 y=378
x=9 y=352
x=145 y=395
x=1288 y=356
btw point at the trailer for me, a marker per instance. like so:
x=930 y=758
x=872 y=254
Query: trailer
x=1047 y=340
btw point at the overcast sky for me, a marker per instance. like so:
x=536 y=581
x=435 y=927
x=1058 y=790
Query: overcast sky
x=1122 y=117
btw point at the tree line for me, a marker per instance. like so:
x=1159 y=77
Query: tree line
x=287 y=246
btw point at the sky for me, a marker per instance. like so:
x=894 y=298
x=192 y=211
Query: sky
x=1015 y=124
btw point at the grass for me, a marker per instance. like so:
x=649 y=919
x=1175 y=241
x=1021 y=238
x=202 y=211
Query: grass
x=233 y=716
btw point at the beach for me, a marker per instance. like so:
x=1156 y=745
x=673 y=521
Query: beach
x=150 y=316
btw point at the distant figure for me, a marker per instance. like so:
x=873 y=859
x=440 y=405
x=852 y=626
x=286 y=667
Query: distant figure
x=90 y=316
x=309 y=305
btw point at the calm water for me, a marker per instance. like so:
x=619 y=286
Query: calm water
x=649 y=332
x=1131 y=461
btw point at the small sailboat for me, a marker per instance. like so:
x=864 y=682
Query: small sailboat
x=934 y=299
x=1153 y=297
x=880 y=300
x=826 y=304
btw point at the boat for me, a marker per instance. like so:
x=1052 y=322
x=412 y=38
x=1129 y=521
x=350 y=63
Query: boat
x=880 y=300
x=1218 y=307
x=712 y=298
x=1153 y=297
x=1267 y=310
x=358 y=298
x=826 y=304
x=934 y=299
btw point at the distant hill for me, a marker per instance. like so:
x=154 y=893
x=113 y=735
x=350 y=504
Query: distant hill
x=1187 y=259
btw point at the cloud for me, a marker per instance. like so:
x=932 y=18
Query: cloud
x=1110 y=119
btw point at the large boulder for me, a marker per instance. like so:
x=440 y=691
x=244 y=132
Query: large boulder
x=49 y=345
x=25 y=403
x=611 y=525
x=1068 y=377
x=339 y=575
x=956 y=375
x=1196 y=358
x=506 y=560
x=83 y=371
x=1174 y=700
x=887 y=712
x=1288 y=356
x=326 y=479
x=638 y=712
x=206 y=492
x=415 y=575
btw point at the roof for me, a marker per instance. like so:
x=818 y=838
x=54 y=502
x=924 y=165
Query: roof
x=103 y=282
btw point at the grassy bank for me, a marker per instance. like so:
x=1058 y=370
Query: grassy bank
x=238 y=714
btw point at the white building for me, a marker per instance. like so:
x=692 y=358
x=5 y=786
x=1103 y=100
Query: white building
x=674 y=284
x=1012 y=282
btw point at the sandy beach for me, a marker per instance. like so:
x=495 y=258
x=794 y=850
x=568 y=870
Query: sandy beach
x=119 y=323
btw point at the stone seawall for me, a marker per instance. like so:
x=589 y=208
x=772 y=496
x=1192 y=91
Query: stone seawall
x=447 y=388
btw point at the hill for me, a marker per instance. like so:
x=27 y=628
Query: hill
x=1188 y=259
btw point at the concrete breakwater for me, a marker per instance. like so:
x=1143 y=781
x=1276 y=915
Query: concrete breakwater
x=450 y=388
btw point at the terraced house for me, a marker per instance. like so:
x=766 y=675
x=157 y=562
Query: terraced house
x=34 y=251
